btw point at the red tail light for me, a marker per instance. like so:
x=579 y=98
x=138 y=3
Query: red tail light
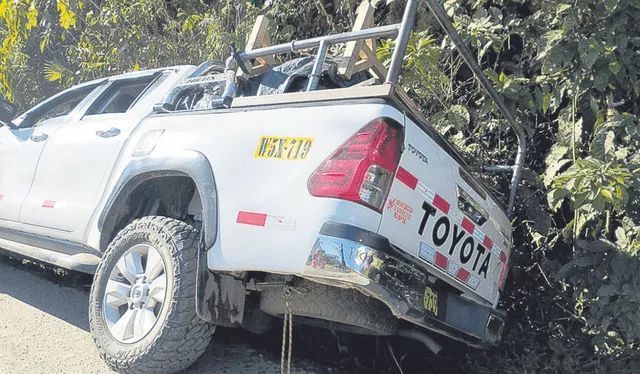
x=362 y=169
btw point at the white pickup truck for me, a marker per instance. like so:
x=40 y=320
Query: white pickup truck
x=339 y=206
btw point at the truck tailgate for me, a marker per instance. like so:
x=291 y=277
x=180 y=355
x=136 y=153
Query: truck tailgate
x=425 y=216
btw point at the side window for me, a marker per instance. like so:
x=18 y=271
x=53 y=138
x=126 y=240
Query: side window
x=56 y=107
x=121 y=96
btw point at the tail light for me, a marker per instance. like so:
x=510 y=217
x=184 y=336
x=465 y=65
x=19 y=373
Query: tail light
x=361 y=170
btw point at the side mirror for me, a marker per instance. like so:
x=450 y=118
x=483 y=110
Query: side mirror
x=8 y=111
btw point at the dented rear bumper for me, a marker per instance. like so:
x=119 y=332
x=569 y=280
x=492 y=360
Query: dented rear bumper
x=345 y=255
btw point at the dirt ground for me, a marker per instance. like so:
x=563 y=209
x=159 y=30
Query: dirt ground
x=44 y=328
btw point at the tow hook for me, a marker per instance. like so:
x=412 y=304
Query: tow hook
x=253 y=285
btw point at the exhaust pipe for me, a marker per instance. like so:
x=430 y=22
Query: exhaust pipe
x=422 y=337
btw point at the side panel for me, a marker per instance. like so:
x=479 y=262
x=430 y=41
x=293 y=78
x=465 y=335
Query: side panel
x=267 y=219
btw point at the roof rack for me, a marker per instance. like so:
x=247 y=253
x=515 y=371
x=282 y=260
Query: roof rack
x=239 y=65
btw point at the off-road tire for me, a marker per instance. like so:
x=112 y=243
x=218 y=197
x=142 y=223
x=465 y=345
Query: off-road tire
x=336 y=308
x=179 y=336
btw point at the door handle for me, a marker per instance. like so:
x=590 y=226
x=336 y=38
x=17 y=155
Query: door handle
x=39 y=138
x=109 y=133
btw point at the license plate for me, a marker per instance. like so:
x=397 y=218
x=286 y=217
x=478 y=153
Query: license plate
x=283 y=148
x=431 y=301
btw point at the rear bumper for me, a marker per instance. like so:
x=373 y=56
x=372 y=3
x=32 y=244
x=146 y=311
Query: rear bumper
x=345 y=255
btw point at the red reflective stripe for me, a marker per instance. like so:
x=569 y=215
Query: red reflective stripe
x=255 y=219
x=467 y=225
x=487 y=242
x=407 y=178
x=441 y=204
x=503 y=257
x=441 y=260
x=463 y=275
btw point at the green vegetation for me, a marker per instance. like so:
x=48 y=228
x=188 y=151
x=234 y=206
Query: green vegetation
x=569 y=71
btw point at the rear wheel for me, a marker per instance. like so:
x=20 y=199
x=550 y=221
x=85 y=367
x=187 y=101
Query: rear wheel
x=142 y=313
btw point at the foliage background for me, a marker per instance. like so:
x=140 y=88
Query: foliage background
x=568 y=69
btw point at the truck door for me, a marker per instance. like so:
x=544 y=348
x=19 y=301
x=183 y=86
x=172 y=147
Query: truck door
x=77 y=159
x=20 y=148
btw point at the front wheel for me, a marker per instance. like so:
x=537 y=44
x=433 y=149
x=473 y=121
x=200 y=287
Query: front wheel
x=142 y=305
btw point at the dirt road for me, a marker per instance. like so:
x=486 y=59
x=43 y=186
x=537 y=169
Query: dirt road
x=44 y=328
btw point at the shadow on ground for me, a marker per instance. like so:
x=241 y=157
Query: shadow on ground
x=65 y=295
x=32 y=284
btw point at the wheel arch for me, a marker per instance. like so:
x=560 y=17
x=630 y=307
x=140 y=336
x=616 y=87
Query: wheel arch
x=188 y=172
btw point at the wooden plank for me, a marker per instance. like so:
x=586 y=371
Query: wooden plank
x=364 y=19
x=258 y=38
x=372 y=63
x=266 y=42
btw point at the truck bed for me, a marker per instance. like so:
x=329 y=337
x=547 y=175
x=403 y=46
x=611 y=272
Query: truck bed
x=252 y=187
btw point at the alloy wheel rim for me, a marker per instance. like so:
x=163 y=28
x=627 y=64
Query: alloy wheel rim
x=135 y=293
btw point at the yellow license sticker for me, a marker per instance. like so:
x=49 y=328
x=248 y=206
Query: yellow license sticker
x=431 y=301
x=282 y=148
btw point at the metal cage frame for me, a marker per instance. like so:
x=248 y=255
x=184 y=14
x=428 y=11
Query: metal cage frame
x=402 y=32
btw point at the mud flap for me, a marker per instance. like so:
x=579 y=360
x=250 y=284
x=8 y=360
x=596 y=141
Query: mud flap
x=220 y=298
x=202 y=280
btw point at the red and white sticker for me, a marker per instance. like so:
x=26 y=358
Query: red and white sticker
x=478 y=234
x=265 y=220
x=460 y=223
x=439 y=202
x=49 y=204
x=452 y=268
x=1 y=197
